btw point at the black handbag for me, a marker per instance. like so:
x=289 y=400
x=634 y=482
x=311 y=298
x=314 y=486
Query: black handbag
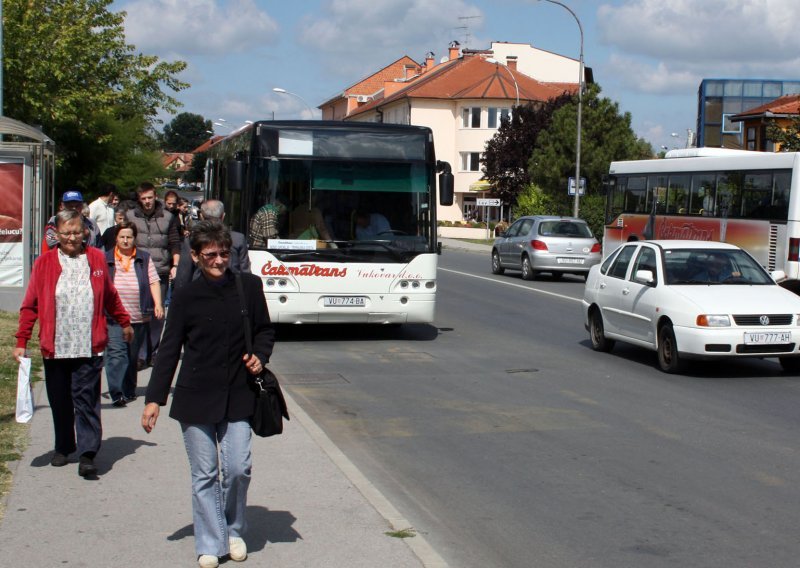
x=270 y=408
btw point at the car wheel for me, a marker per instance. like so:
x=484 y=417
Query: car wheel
x=597 y=333
x=668 y=358
x=790 y=364
x=497 y=268
x=527 y=269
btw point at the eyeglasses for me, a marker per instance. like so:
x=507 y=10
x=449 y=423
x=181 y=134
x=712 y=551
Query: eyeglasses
x=70 y=235
x=223 y=254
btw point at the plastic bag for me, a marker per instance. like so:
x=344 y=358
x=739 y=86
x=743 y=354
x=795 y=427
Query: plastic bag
x=24 y=394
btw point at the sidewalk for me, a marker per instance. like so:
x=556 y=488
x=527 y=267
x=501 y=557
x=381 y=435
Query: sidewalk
x=308 y=505
x=458 y=244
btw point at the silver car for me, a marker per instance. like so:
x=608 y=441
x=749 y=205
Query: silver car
x=544 y=243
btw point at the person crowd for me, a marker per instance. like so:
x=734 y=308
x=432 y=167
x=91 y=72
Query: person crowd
x=98 y=293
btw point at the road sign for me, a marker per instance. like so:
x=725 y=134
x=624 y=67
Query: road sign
x=488 y=202
x=571 y=186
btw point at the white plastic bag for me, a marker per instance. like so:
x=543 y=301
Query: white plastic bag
x=24 y=394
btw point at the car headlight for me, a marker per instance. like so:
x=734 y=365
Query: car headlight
x=713 y=320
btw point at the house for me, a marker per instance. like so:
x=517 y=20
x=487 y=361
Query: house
x=780 y=111
x=462 y=98
x=178 y=162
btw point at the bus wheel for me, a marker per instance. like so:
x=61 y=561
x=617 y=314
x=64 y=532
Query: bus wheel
x=497 y=268
x=668 y=358
x=527 y=269
x=790 y=364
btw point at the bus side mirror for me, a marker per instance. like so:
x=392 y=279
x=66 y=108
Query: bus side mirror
x=235 y=175
x=446 y=183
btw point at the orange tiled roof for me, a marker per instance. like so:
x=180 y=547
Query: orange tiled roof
x=785 y=105
x=374 y=83
x=472 y=77
x=207 y=144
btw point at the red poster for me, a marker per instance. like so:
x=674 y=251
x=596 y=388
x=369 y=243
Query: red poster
x=11 y=202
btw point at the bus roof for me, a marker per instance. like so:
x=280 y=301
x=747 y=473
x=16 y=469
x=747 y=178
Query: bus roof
x=707 y=159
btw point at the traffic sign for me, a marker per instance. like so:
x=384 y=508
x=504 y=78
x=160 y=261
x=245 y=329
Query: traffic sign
x=571 y=186
x=488 y=202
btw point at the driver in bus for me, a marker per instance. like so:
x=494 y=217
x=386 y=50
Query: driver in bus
x=370 y=225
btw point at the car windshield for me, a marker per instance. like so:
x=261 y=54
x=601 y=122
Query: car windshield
x=562 y=228
x=712 y=267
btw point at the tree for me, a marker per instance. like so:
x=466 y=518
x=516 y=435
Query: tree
x=788 y=137
x=606 y=136
x=185 y=132
x=507 y=153
x=68 y=70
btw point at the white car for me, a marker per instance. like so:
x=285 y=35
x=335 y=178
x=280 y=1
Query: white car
x=691 y=300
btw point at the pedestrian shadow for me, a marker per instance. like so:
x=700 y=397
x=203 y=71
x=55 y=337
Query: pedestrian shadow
x=112 y=450
x=263 y=526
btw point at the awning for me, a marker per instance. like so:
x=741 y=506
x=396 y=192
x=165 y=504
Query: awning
x=481 y=185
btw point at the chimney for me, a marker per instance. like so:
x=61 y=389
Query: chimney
x=453 y=47
x=409 y=71
x=511 y=62
x=429 y=61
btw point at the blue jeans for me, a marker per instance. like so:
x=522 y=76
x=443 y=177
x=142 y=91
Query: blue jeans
x=120 y=361
x=218 y=502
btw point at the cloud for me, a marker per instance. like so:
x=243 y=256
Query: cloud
x=648 y=77
x=359 y=36
x=197 y=27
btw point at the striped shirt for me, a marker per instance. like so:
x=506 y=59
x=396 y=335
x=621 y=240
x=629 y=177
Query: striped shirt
x=128 y=288
x=74 y=308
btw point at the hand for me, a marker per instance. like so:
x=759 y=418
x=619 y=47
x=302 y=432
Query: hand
x=150 y=416
x=172 y=272
x=253 y=364
x=158 y=312
x=18 y=352
x=127 y=334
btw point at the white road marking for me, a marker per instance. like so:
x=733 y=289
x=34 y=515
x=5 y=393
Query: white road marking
x=528 y=288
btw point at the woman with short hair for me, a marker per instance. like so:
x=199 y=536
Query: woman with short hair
x=213 y=399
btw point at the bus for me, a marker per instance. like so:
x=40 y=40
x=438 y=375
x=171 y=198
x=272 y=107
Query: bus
x=750 y=199
x=352 y=217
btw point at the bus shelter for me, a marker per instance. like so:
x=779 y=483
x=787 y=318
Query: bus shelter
x=27 y=164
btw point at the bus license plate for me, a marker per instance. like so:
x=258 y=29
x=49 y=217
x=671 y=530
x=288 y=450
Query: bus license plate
x=767 y=337
x=562 y=260
x=344 y=301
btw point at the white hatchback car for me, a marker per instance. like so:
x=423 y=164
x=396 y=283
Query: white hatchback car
x=691 y=300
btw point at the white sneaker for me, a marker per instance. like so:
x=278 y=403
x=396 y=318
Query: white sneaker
x=208 y=561
x=238 y=549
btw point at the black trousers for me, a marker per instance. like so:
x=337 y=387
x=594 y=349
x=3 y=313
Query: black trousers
x=73 y=390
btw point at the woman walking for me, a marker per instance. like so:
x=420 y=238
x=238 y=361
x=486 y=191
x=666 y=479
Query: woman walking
x=139 y=287
x=69 y=293
x=213 y=399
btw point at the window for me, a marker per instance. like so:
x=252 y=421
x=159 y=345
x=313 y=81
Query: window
x=513 y=231
x=471 y=117
x=497 y=115
x=471 y=161
x=751 y=138
x=678 y=195
x=620 y=267
x=527 y=224
x=701 y=201
x=645 y=261
x=729 y=126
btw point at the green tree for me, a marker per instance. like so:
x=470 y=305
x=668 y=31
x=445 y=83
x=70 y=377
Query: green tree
x=507 y=152
x=197 y=173
x=606 y=136
x=68 y=70
x=185 y=132
x=788 y=137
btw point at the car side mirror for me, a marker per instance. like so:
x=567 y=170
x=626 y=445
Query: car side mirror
x=645 y=277
x=778 y=275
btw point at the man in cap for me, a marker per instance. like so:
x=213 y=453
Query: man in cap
x=72 y=199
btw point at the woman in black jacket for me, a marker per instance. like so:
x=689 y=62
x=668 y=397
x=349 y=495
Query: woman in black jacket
x=213 y=399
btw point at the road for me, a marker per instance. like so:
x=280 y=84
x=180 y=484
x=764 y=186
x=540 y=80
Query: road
x=508 y=442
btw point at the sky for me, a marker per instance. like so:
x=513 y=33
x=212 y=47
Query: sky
x=647 y=55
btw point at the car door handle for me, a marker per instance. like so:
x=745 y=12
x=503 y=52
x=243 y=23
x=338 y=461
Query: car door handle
x=626 y=291
x=602 y=284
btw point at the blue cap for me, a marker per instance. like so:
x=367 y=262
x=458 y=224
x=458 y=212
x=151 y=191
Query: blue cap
x=71 y=195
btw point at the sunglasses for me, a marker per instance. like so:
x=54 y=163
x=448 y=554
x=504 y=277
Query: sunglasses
x=223 y=254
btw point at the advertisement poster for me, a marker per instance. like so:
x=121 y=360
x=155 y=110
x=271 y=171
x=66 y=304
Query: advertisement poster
x=11 y=252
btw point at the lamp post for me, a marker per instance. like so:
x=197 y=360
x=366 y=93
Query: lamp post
x=516 y=86
x=580 y=108
x=285 y=92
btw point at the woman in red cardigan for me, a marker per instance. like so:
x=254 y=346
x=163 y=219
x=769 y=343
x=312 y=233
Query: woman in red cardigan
x=69 y=292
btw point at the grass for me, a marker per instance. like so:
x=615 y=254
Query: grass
x=404 y=533
x=13 y=436
x=479 y=241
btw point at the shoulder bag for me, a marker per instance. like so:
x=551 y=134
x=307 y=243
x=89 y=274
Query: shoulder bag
x=270 y=408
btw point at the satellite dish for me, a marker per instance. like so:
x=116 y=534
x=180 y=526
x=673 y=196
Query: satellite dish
x=444 y=59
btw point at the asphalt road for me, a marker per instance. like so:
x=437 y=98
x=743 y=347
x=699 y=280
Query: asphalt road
x=508 y=442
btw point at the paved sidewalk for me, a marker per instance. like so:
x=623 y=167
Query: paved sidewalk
x=308 y=506
x=458 y=244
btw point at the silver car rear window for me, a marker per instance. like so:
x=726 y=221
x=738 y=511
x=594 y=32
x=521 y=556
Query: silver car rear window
x=559 y=228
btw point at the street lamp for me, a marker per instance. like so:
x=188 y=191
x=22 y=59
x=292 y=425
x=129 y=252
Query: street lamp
x=580 y=108
x=496 y=62
x=285 y=92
